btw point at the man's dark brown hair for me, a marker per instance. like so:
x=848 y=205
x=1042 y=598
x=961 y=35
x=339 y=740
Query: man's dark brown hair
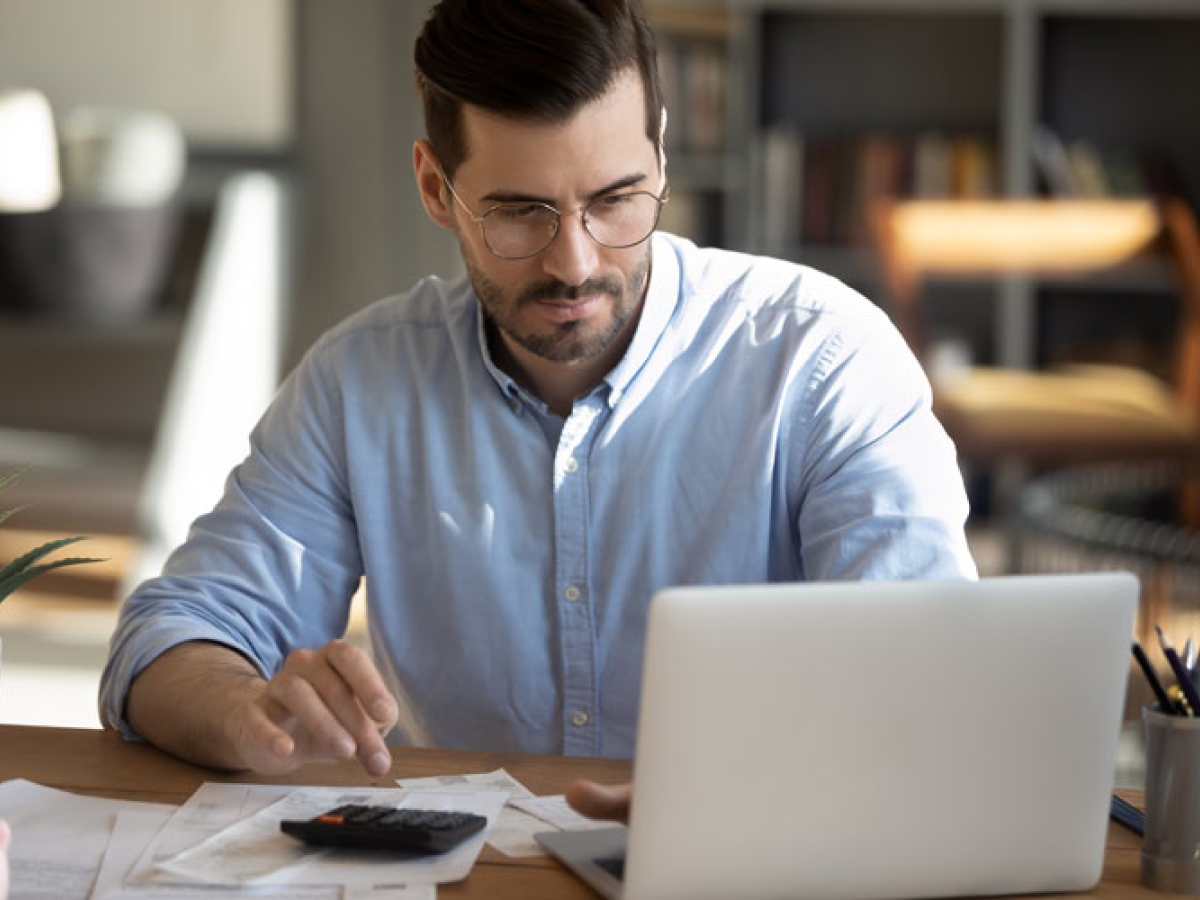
x=532 y=60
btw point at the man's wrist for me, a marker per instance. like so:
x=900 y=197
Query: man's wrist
x=191 y=701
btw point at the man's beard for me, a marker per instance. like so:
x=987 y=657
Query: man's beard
x=567 y=342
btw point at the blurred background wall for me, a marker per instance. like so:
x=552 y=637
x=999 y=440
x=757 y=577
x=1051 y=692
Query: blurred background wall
x=788 y=117
x=319 y=97
x=296 y=209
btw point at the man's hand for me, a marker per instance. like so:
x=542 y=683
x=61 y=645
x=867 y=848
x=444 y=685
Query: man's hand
x=207 y=704
x=600 y=801
x=323 y=705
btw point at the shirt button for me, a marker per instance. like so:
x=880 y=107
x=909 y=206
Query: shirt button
x=572 y=593
x=579 y=719
x=572 y=465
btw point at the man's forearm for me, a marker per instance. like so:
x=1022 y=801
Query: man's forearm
x=185 y=702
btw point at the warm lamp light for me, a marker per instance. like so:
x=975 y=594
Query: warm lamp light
x=962 y=236
x=29 y=178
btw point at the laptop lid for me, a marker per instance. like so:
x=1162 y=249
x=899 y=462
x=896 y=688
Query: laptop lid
x=879 y=740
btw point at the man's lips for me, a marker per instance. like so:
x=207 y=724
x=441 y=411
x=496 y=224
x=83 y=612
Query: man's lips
x=560 y=309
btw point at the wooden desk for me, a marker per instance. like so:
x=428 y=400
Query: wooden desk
x=101 y=764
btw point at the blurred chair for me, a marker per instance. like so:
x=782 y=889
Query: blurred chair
x=1069 y=414
x=226 y=369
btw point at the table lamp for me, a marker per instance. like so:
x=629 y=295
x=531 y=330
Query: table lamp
x=29 y=176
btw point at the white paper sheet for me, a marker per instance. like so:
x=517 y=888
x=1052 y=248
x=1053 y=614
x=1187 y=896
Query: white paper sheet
x=134 y=831
x=512 y=833
x=254 y=851
x=59 y=838
x=497 y=780
x=553 y=810
x=131 y=833
x=397 y=892
x=211 y=808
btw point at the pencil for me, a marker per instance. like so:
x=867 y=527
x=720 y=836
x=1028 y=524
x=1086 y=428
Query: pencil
x=1181 y=673
x=1176 y=694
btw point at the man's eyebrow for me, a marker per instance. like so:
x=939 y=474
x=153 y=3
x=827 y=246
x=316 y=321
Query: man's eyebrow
x=620 y=184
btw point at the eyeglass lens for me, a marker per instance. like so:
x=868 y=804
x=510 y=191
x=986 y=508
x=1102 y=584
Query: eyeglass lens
x=617 y=220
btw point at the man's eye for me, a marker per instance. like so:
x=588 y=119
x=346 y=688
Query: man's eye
x=520 y=212
x=613 y=200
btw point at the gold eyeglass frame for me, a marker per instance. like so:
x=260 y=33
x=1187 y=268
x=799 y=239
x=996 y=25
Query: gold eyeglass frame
x=661 y=199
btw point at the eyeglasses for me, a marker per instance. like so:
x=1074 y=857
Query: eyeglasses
x=522 y=230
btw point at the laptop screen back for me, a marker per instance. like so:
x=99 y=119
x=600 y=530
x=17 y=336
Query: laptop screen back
x=879 y=739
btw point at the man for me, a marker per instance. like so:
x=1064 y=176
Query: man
x=519 y=460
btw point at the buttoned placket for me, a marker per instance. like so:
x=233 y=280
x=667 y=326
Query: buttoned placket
x=572 y=568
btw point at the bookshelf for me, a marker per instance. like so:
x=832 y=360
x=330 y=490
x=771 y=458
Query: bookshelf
x=703 y=81
x=828 y=102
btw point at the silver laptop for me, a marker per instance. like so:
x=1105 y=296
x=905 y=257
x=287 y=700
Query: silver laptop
x=872 y=740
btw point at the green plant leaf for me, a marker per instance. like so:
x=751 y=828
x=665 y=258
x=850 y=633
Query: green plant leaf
x=5 y=481
x=10 y=583
x=12 y=476
x=23 y=562
x=29 y=566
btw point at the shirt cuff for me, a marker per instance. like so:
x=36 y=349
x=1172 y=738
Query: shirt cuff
x=133 y=651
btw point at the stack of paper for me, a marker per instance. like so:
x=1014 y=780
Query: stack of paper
x=225 y=841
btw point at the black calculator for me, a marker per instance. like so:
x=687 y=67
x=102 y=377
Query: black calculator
x=386 y=828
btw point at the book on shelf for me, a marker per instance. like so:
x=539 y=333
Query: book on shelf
x=693 y=214
x=1088 y=169
x=1050 y=157
x=819 y=190
x=1124 y=174
x=931 y=165
x=694 y=75
x=782 y=170
x=972 y=167
x=1081 y=168
x=821 y=163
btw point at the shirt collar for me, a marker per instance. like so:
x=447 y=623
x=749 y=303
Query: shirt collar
x=662 y=296
x=513 y=392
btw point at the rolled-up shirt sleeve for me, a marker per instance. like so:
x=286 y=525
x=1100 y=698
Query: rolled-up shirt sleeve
x=272 y=567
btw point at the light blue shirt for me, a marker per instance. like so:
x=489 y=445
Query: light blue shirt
x=767 y=423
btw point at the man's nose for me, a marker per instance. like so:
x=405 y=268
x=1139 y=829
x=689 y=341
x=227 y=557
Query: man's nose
x=572 y=255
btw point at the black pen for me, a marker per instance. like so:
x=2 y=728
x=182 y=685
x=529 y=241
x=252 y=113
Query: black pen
x=1164 y=702
x=1181 y=673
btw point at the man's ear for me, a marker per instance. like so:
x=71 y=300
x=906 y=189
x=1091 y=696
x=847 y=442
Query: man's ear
x=430 y=184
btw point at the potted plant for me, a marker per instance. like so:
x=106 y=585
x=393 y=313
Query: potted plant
x=33 y=563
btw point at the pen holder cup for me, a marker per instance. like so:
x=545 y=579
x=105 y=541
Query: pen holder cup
x=1171 y=844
